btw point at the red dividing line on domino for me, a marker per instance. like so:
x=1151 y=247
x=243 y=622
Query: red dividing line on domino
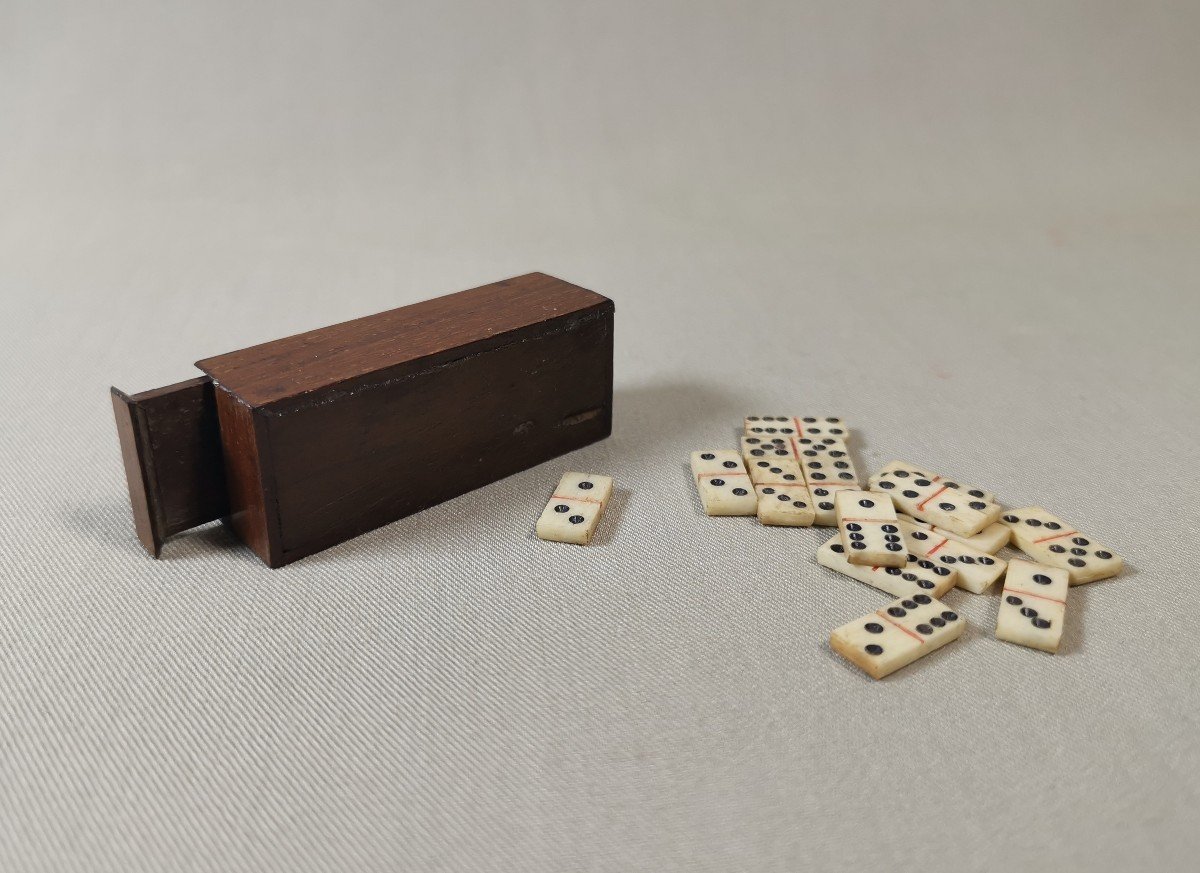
x=921 y=505
x=581 y=499
x=1038 y=596
x=700 y=476
x=935 y=548
x=902 y=627
x=1069 y=533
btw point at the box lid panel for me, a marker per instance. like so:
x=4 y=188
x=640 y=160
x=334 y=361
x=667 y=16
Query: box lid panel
x=468 y=322
x=171 y=446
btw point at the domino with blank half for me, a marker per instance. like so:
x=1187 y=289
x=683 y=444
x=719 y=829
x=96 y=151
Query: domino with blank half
x=894 y=636
x=1049 y=540
x=723 y=483
x=869 y=529
x=927 y=497
x=977 y=570
x=574 y=511
x=917 y=576
x=991 y=539
x=1033 y=605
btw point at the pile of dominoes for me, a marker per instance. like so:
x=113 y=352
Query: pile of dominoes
x=912 y=533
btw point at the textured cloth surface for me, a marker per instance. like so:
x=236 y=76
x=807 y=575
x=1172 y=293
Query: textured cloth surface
x=971 y=229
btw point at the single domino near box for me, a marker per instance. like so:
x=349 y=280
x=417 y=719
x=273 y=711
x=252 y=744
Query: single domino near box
x=892 y=637
x=1049 y=540
x=917 y=576
x=1033 y=605
x=869 y=529
x=575 y=509
x=723 y=483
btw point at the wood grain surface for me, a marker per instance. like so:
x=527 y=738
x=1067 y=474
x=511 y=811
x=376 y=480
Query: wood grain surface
x=385 y=452
x=336 y=432
x=390 y=344
x=171 y=448
x=247 y=475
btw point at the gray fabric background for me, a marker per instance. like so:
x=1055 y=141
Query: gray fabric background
x=972 y=229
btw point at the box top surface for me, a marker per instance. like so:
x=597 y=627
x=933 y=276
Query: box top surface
x=480 y=318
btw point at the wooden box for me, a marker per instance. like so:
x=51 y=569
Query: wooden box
x=325 y=435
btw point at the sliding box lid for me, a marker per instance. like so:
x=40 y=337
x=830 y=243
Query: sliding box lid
x=171 y=445
x=394 y=343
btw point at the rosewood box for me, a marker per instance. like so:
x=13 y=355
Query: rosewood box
x=307 y=441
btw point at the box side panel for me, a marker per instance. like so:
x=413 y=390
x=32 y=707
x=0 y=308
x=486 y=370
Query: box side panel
x=251 y=513
x=382 y=453
x=131 y=434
